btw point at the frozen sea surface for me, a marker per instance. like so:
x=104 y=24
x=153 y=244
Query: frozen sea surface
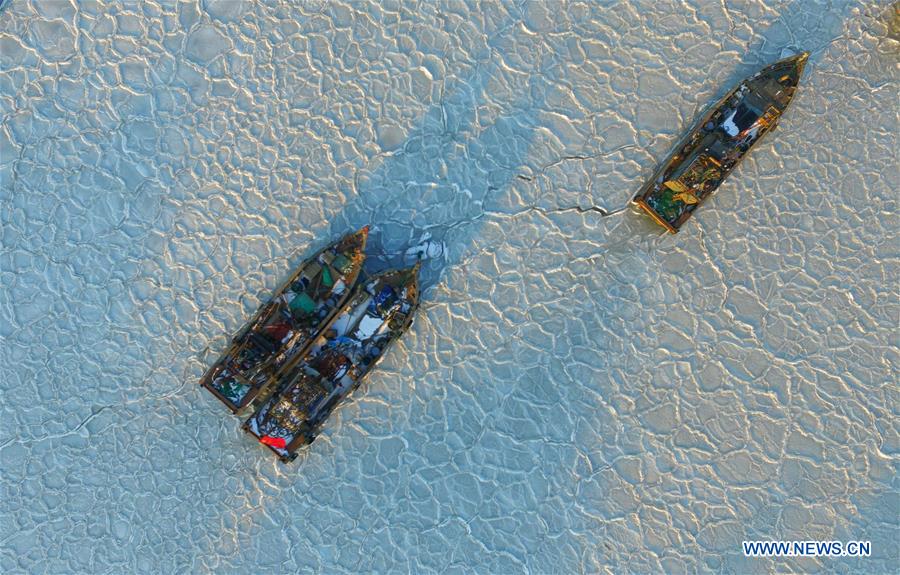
x=579 y=394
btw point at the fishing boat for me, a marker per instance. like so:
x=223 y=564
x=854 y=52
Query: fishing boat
x=284 y=326
x=347 y=349
x=718 y=142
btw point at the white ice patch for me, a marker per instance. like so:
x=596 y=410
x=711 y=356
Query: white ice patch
x=425 y=249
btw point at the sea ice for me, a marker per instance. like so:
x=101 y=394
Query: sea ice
x=577 y=394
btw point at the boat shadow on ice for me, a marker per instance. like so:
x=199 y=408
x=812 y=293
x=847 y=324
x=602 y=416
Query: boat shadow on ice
x=427 y=199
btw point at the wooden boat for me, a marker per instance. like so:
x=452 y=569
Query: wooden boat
x=719 y=140
x=285 y=326
x=347 y=349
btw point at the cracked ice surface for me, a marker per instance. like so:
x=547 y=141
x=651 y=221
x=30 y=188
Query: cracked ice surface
x=579 y=393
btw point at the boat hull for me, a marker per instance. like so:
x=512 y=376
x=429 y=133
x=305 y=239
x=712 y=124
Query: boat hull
x=285 y=325
x=345 y=352
x=719 y=141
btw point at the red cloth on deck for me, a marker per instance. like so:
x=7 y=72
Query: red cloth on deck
x=278 y=442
